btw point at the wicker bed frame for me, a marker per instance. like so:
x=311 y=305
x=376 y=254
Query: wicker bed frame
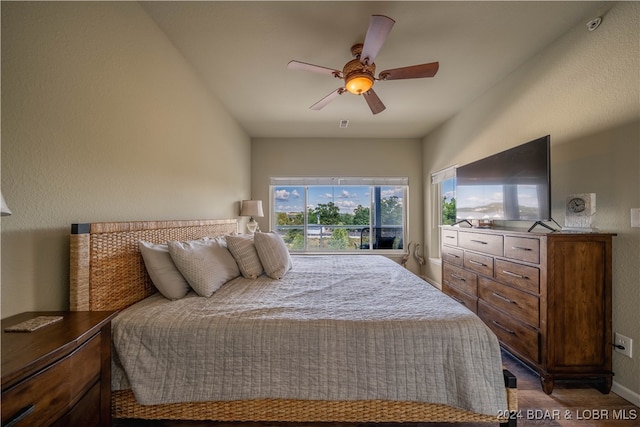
x=107 y=273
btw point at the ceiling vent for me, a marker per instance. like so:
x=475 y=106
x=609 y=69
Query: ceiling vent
x=344 y=124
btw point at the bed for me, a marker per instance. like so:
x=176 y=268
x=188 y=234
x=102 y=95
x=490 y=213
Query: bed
x=343 y=353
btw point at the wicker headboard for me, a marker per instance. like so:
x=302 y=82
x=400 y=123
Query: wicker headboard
x=107 y=271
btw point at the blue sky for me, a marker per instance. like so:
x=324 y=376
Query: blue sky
x=347 y=198
x=448 y=188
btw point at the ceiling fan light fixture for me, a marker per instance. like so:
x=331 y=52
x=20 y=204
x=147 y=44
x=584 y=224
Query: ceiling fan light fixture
x=358 y=77
x=358 y=83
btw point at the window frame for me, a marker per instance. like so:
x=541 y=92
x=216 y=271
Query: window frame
x=372 y=183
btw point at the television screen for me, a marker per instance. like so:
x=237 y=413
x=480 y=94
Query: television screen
x=511 y=185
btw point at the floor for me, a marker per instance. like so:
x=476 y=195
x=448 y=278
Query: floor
x=570 y=405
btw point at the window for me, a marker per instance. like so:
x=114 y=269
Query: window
x=444 y=203
x=340 y=214
x=448 y=200
x=444 y=183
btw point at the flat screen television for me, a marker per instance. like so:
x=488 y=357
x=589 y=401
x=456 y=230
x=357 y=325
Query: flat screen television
x=514 y=184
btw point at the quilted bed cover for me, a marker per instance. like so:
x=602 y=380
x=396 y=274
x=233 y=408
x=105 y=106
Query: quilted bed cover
x=335 y=328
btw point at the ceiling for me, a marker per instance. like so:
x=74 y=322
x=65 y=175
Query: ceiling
x=241 y=49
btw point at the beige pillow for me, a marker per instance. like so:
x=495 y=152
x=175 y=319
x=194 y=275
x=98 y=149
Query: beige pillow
x=245 y=254
x=273 y=253
x=207 y=265
x=163 y=272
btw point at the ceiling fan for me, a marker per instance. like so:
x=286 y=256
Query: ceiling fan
x=359 y=73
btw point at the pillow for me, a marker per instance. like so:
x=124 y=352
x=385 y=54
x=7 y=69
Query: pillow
x=207 y=265
x=245 y=254
x=163 y=272
x=273 y=254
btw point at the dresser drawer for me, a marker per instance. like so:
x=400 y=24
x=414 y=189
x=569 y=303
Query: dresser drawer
x=48 y=394
x=522 y=248
x=513 y=333
x=467 y=300
x=521 y=305
x=481 y=264
x=450 y=237
x=518 y=275
x=452 y=255
x=487 y=243
x=464 y=280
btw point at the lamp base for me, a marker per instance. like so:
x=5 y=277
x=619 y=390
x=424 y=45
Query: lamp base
x=252 y=226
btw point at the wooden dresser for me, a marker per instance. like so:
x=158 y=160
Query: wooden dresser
x=546 y=296
x=59 y=374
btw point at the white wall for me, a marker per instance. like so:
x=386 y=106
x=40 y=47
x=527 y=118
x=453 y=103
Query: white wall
x=102 y=120
x=273 y=157
x=583 y=90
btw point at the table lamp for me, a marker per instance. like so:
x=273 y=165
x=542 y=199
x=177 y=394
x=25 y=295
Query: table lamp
x=252 y=208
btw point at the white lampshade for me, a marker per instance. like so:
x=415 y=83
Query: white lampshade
x=252 y=208
x=5 y=209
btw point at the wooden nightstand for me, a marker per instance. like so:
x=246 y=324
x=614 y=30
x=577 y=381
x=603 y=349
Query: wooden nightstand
x=59 y=374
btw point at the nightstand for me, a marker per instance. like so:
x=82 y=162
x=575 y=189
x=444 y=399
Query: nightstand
x=59 y=374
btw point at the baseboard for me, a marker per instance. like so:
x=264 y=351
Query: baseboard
x=625 y=393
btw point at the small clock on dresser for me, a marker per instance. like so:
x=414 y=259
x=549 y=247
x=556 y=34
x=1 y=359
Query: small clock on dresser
x=580 y=210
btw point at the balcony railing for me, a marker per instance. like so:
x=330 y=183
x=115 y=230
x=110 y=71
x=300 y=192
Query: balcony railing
x=329 y=238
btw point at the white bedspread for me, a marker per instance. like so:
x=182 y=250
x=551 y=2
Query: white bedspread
x=335 y=328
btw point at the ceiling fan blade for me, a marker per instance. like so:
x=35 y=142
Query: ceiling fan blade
x=303 y=66
x=374 y=102
x=327 y=99
x=412 y=72
x=379 y=27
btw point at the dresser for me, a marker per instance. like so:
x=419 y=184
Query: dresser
x=59 y=374
x=547 y=297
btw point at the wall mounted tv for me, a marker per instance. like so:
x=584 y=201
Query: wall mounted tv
x=512 y=185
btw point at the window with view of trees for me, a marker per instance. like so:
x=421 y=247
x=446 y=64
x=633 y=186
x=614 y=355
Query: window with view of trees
x=444 y=186
x=444 y=203
x=447 y=194
x=349 y=217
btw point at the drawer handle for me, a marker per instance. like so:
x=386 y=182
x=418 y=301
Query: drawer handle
x=454 y=255
x=471 y=261
x=479 y=241
x=519 y=276
x=503 y=298
x=503 y=327
x=521 y=248
x=455 y=276
x=21 y=415
x=449 y=237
